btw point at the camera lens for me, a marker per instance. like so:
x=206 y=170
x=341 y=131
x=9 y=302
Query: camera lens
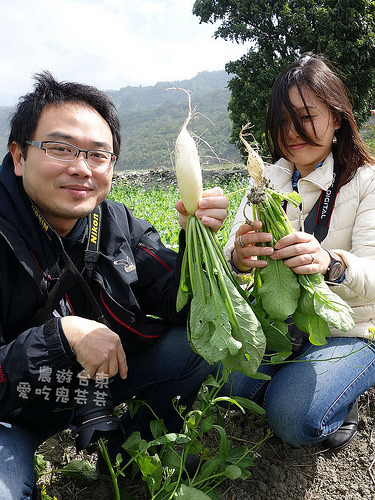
x=94 y=417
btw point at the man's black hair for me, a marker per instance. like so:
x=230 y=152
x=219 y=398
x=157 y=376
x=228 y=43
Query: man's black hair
x=48 y=91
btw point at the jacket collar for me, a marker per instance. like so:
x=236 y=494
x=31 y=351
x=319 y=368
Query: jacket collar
x=15 y=209
x=320 y=178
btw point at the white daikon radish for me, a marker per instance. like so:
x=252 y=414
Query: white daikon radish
x=255 y=165
x=188 y=167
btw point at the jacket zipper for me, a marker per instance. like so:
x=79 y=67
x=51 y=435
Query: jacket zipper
x=152 y=253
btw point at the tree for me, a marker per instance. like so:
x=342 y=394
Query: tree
x=279 y=31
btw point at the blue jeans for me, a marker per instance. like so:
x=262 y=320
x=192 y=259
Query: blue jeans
x=308 y=398
x=164 y=370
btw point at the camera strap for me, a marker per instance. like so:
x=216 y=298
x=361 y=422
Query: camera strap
x=318 y=220
x=70 y=275
x=93 y=241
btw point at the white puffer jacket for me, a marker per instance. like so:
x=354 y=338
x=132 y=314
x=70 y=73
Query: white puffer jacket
x=351 y=232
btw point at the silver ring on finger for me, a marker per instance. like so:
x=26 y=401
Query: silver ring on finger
x=240 y=242
x=312 y=259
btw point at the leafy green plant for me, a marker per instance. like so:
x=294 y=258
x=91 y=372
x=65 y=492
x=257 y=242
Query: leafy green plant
x=40 y=466
x=162 y=461
x=279 y=292
x=222 y=325
x=78 y=469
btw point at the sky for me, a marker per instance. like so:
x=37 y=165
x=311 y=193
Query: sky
x=106 y=43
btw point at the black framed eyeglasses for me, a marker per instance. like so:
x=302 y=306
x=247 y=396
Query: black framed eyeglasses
x=62 y=151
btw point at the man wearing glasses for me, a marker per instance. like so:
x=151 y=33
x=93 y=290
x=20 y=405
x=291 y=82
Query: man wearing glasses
x=86 y=291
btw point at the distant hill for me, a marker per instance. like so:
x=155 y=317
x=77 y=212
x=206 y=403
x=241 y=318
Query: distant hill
x=151 y=118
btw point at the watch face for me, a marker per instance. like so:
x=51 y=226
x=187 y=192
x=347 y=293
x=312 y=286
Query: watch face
x=335 y=271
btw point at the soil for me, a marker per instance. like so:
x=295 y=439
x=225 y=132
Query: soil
x=281 y=471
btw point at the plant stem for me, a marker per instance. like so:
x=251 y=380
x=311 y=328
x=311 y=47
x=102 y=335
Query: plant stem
x=220 y=267
x=104 y=452
x=194 y=255
x=232 y=193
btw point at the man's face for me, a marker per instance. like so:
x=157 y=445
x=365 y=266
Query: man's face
x=65 y=191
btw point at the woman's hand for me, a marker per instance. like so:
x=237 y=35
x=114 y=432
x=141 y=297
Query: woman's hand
x=302 y=253
x=248 y=246
x=212 y=209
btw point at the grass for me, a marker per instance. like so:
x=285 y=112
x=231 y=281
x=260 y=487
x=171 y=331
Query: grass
x=157 y=205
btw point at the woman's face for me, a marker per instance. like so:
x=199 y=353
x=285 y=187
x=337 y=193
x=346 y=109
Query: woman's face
x=319 y=124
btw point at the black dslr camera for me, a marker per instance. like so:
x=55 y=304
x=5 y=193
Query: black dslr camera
x=94 y=416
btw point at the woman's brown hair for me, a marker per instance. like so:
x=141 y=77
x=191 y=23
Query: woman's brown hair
x=316 y=73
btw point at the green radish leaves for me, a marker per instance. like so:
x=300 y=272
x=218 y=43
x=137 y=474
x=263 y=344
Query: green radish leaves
x=327 y=304
x=221 y=325
x=279 y=293
x=314 y=325
x=280 y=290
x=294 y=198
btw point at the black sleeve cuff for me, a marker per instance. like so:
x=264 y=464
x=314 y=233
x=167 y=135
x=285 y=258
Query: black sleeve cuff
x=57 y=344
x=237 y=271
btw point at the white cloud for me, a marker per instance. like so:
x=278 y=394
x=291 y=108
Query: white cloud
x=107 y=43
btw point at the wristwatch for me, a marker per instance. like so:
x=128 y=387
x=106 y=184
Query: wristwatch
x=336 y=267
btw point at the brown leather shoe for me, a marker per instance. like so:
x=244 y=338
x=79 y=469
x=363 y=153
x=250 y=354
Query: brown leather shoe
x=345 y=433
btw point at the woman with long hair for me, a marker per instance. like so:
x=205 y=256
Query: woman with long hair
x=314 y=140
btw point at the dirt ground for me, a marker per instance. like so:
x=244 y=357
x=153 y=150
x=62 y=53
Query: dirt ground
x=284 y=472
x=281 y=471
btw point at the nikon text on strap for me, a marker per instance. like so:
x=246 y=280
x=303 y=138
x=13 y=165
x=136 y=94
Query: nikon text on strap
x=93 y=241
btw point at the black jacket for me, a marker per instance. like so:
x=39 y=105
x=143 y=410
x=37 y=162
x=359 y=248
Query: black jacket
x=135 y=282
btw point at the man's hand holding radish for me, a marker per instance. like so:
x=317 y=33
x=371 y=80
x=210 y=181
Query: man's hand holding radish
x=212 y=209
